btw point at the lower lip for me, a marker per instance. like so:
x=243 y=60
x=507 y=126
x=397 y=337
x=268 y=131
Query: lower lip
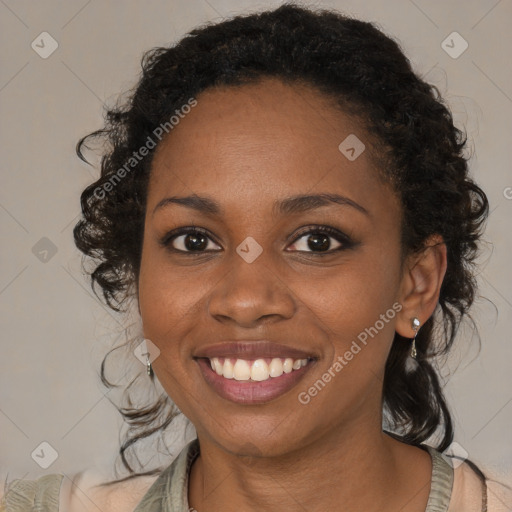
x=249 y=392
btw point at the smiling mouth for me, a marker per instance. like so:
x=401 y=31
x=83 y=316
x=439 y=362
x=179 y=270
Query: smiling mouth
x=255 y=370
x=253 y=381
x=252 y=372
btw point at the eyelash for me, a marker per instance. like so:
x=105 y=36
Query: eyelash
x=344 y=240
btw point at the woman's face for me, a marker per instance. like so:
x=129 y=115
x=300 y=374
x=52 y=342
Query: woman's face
x=262 y=269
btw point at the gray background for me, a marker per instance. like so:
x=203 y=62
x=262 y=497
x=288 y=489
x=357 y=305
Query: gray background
x=55 y=332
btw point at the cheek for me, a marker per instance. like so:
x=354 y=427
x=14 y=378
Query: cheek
x=164 y=301
x=356 y=292
x=166 y=307
x=357 y=311
x=165 y=293
x=357 y=307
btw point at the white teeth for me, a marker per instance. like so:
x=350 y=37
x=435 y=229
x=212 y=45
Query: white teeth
x=288 y=365
x=258 y=370
x=241 y=370
x=275 y=368
x=227 y=369
x=218 y=366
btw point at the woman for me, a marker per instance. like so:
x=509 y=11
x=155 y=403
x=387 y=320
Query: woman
x=289 y=207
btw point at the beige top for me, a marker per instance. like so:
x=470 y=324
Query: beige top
x=452 y=489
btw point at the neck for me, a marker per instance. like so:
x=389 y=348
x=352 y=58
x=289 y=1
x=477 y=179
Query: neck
x=365 y=469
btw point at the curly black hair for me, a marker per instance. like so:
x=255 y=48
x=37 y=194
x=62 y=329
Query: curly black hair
x=420 y=152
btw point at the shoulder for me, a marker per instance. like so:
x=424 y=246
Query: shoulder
x=21 y=495
x=470 y=493
x=80 y=492
x=86 y=491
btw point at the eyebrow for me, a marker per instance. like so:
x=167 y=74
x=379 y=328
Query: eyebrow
x=290 y=205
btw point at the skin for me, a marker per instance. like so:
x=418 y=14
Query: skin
x=245 y=148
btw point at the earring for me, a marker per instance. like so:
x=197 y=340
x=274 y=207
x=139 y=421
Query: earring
x=415 y=326
x=148 y=366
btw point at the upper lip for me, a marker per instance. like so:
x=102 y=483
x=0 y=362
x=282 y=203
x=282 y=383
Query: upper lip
x=251 y=349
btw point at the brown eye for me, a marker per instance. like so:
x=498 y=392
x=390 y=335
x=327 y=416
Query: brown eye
x=189 y=240
x=322 y=239
x=193 y=242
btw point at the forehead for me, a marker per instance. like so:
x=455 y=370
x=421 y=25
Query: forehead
x=253 y=140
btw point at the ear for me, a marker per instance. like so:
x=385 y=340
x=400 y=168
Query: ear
x=422 y=278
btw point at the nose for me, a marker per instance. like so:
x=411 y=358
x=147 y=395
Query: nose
x=251 y=294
